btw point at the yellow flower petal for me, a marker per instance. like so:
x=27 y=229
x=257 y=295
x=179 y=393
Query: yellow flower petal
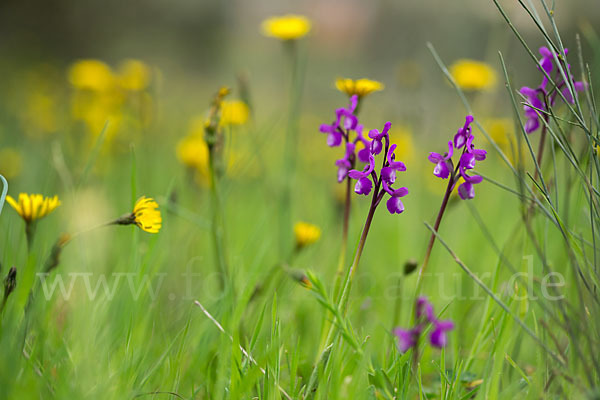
x=287 y=27
x=306 y=233
x=360 y=87
x=473 y=75
x=91 y=75
x=32 y=207
x=147 y=215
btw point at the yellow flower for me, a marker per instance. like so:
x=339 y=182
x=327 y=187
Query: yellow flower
x=192 y=152
x=146 y=214
x=91 y=75
x=287 y=27
x=234 y=112
x=134 y=75
x=306 y=234
x=502 y=131
x=360 y=87
x=473 y=75
x=32 y=207
x=11 y=162
x=403 y=138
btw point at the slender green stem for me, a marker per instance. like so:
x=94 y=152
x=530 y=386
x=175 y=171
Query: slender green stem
x=290 y=149
x=344 y=246
x=359 y=250
x=217 y=221
x=29 y=234
x=438 y=221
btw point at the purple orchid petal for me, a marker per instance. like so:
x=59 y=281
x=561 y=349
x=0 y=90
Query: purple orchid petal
x=441 y=170
x=467 y=161
x=354 y=174
x=334 y=139
x=363 y=186
x=400 y=192
x=435 y=157
x=394 y=205
x=406 y=339
x=438 y=337
x=376 y=146
x=466 y=191
x=388 y=175
x=425 y=309
x=363 y=155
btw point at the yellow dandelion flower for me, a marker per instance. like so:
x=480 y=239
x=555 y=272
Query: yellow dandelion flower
x=287 y=27
x=360 y=87
x=473 y=75
x=306 y=234
x=91 y=75
x=145 y=215
x=32 y=207
x=234 y=112
x=11 y=162
x=134 y=75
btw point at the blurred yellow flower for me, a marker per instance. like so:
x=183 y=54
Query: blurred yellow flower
x=473 y=75
x=360 y=87
x=91 y=75
x=502 y=131
x=146 y=214
x=402 y=137
x=287 y=27
x=134 y=75
x=32 y=207
x=234 y=112
x=192 y=151
x=306 y=234
x=11 y=162
x=40 y=113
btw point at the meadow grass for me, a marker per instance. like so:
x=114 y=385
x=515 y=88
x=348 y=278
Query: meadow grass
x=219 y=305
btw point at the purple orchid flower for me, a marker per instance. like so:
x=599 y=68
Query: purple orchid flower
x=443 y=164
x=438 y=337
x=376 y=144
x=344 y=164
x=407 y=338
x=425 y=317
x=363 y=154
x=364 y=184
x=534 y=101
x=345 y=120
x=334 y=134
x=424 y=309
x=460 y=139
x=347 y=114
x=388 y=174
x=394 y=204
x=466 y=190
x=538 y=98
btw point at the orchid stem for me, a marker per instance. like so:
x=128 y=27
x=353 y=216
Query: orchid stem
x=343 y=302
x=344 y=247
x=540 y=154
x=438 y=221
